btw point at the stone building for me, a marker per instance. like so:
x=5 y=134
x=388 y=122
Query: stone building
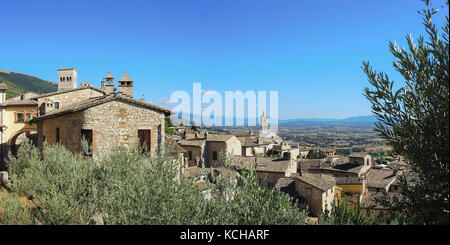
x=318 y=191
x=254 y=145
x=362 y=158
x=105 y=122
x=205 y=149
x=66 y=97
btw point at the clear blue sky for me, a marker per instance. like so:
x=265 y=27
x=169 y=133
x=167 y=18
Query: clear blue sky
x=310 y=51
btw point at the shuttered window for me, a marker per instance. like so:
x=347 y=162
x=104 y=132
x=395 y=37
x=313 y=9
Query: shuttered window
x=144 y=140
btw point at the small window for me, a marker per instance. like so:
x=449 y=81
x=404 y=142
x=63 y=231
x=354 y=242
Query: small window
x=190 y=155
x=56 y=105
x=214 y=156
x=57 y=135
x=29 y=116
x=20 y=117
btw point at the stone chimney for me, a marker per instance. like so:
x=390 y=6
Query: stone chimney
x=126 y=85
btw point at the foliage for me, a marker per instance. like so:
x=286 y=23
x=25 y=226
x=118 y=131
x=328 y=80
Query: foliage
x=415 y=120
x=313 y=154
x=130 y=188
x=167 y=126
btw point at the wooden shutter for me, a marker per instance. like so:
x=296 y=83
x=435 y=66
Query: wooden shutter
x=144 y=139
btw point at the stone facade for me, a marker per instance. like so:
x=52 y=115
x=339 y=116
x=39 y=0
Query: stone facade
x=68 y=97
x=114 y=123
x=318 y=193
x=195 y=155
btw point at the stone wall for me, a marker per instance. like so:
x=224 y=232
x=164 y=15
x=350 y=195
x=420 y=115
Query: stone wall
x=234 y=146
x=312 y=194
x=113 y=124
x=220 y=148
x=68 y=98
x=197 y=153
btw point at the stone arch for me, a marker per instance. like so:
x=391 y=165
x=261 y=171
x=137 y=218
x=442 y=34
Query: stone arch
x=13 y=142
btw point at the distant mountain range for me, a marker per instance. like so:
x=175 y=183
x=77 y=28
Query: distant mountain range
x=364 y=121
x=359 y=121
x=348 y=119
x=19 y=83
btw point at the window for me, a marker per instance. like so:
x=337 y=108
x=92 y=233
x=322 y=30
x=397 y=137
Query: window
x=56 y=105
x=214 y=156
x=57 y=135
x=29 y=116
x=20 y=117
x=190 y=155
x=144 y=140
x=87 y=135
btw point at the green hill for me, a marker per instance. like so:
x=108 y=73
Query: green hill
x=19 y=83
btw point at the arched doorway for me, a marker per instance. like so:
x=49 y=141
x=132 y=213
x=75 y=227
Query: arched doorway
x=19 y=137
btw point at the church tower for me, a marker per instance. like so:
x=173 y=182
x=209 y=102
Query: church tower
x=264 y=125
x=67 y=78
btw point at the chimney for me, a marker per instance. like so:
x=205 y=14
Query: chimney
x=126 y=85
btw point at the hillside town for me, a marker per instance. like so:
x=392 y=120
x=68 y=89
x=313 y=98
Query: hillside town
x=110 y=116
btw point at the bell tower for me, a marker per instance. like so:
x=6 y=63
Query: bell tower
x=67 y=78
x=264 y=128
x=108 y=83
